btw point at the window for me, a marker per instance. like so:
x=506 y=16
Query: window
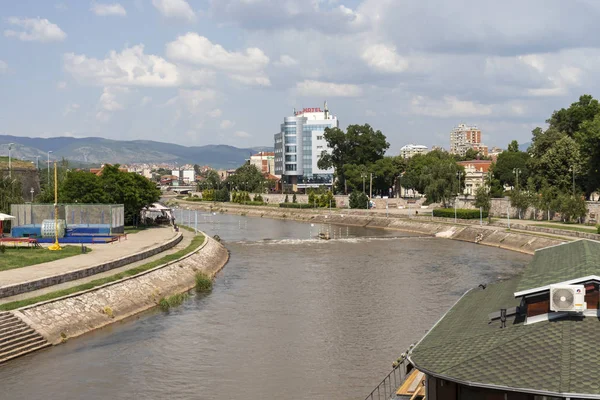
x=290 y=167
x=319 y=137
x=290 y=149
x=290 y=139
x=290 y=158
x=319 y=147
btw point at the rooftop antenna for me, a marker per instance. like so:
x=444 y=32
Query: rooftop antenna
x=326 y=110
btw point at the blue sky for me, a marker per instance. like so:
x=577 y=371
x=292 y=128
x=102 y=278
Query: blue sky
x=201 y=72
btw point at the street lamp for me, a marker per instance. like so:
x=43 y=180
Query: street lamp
x=517 y=171
x=9 y=161
x=32 y=191
x=459 y=174
x=572 y=169
x=50 y=151
x=37 y=162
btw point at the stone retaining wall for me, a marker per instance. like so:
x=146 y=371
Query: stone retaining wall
x=74 y=315
x=24 y=287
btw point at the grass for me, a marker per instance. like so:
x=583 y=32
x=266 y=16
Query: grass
x=567 y=228
x=166 y=303
x=196 y=242
x=203 y=282
x=23 y=257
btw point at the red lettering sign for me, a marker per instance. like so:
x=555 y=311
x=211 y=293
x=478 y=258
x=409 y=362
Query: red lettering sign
x=309 y=110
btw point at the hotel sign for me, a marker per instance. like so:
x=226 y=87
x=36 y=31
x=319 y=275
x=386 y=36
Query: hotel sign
x=309 y=110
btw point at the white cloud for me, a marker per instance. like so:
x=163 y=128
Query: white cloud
x=71 y=108
x=108 y=99
x=450 y=106
x=286 y=61
x=145 y=101
x=3 y=67
x=197 y=49
x=327 y=89
x=216 y=113
x=226 y=124
x=35 y=30
x=194 y=101
x=131 y=67
x=252 y=80
x=242 y=134
x=103 y=9
x=384 y=58
x=61 y=85
x=175 y=9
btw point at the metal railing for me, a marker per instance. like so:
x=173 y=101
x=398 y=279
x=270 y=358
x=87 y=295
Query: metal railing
x=388 y=386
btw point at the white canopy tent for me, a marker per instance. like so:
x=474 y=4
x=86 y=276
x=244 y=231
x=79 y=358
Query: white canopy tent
x=4 y=217
x=156 y=209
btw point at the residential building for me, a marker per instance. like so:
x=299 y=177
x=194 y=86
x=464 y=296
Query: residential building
x=531 y=337
x=264 y=161
x=185 y=175
x=298 y=148
x=463 y=138
x=475 y=174
x=413 y=149
x=494 y=153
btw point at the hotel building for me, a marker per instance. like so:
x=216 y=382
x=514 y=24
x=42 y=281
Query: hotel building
x=298 y=148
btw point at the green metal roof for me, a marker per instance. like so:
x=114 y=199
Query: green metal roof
x=559 y=356
x=561 y=263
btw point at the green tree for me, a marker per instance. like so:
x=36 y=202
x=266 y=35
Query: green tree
x=471 y=154
x=504 y=168
x=483 y=200
x=569 y=120
x=571 y=207
x=358 y=200
x=440 y=181
x=10 y=193
x=359 y=145
x=556 y=165
x=520 y=199
x=83 y=187
x=513 y=147
x=385 y=173
x=247 y=178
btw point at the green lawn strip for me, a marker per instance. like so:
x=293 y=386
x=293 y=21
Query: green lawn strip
x=567 y=228
x=24 y=257
x=196 y=242
x=135 y=229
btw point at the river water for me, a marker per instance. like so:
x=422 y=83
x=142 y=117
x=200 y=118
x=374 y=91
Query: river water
x=290 y=317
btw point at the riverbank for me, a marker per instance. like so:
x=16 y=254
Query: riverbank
x=71 y=316
x=468 y=231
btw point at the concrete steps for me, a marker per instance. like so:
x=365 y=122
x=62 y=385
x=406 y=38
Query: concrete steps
x=17 y=338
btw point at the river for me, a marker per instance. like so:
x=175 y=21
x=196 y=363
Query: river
x=289 y=317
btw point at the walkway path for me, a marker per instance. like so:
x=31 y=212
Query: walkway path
x=186 y=241
x=101 y=253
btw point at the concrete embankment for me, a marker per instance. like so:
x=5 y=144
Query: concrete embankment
x=487 y=234
x=83 y=312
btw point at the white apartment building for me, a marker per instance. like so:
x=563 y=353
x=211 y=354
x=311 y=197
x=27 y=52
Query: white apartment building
x=185 y=175
x=464 y=137
x=264 y=161
x=299 y=145
x=413 y=149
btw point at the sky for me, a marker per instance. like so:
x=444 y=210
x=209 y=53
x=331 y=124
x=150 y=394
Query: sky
x=200 y=72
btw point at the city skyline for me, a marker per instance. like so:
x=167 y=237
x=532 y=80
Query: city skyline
x=203 y=72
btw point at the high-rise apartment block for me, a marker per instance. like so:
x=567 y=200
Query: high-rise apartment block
x=463 y=138
x=412 y=150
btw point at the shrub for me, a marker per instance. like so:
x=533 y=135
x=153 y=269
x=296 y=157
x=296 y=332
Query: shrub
x=258 y=198
x=460 y=213
x=222 y=195
x=253 y=203
x=294 y=199
x=295 y=205
x=166 y=303
x=287 y=200
x=203 y=282
x=3 y=247
x=358 y=200
x=208 y=195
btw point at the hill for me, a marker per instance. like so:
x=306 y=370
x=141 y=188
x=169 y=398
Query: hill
x=94 y=150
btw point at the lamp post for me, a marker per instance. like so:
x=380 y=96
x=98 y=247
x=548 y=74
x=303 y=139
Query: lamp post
x=32 y=191
x=571 y=169
x=50 y=151
x=363 y=176
x=37 y=162
x=459 y=174
x=9 y=160
x=517 y=171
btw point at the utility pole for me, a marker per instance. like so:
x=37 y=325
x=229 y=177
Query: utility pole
x=9 y=161
x=49 y=167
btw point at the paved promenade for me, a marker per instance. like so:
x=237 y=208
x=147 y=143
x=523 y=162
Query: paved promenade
x=186 y=241
x=101 y=253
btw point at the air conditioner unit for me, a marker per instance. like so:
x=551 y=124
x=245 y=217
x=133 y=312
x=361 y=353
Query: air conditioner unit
x=570 y=298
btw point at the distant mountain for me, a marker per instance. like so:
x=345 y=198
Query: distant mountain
x=524 y=146
x=95 y=150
